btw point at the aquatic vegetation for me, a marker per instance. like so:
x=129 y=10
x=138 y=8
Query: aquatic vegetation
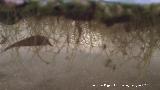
x=71 y=37
x=99 y=11
x=114 y=30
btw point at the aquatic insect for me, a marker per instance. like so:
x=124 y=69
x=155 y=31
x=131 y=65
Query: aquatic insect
x=36 y=40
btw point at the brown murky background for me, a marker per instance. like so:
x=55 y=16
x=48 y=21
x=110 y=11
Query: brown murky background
x=83 y=54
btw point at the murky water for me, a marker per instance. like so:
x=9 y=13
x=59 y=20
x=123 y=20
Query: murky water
x=84 y=56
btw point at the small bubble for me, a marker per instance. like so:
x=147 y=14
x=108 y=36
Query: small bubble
x=132 y=85
x=127 y=85
x=108 y=85
x=114 y=85
x=145 y=84
x=139 y=85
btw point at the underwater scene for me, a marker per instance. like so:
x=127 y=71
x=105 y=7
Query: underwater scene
x=79 y=45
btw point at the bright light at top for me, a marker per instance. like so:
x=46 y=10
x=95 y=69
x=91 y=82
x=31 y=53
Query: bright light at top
x=136 y=1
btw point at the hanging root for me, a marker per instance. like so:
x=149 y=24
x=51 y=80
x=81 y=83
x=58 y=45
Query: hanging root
x=42 y=59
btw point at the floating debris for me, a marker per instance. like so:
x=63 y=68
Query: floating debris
x=104 y=46
x=108 y=62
